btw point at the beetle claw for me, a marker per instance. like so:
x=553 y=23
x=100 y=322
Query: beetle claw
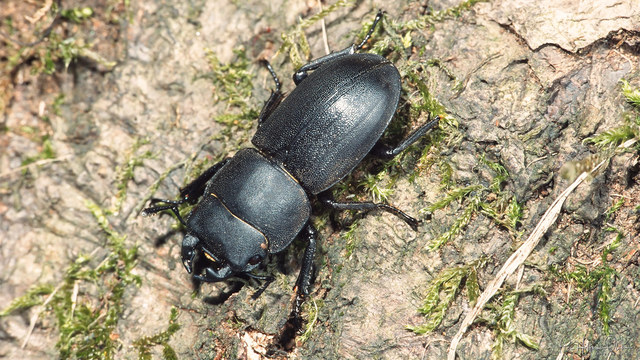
x=414 y=223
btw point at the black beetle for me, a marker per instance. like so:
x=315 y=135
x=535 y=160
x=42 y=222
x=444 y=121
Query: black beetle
x=257 y=202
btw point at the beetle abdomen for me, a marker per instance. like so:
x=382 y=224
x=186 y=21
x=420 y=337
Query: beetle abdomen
x=262 y=194
x=329 y=123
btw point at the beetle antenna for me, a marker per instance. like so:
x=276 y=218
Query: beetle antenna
x=371 y=30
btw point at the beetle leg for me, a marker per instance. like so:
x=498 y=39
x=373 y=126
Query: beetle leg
x=194 y=190
x=189 y=193
x=304 y=278
x=168 y=205
x=267 y=281
x=274 y=99
x=379 y=16
x=327 y=199
x=386 y=152
x=302 y=73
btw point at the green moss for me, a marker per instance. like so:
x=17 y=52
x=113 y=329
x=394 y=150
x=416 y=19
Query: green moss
x=491 y=201
x=145 y=344
x=433 y=17
x=294 y=42
x=350 y=239
x=55 y=40
x=377 y=187
x=614 y=137
x=601 y=278
x=88 y=302
x=34 y=296
x=57 y=104
x=95 y=314
x=46 y=152
x=473 y=205
x=629 y=129
x=442 y=291
x=613 y=209
x=630 y=93
x=77 y=15
x=233 y=85
x=124 y=172
x=502 y=320
x=233 y=81
x=312 y=312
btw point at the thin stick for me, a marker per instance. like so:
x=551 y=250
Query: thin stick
x=42 y=308
x=34 y=317
x=324 y=32
x=35 y=163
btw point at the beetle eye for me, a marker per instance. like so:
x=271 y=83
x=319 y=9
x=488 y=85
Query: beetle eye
x=255 y=260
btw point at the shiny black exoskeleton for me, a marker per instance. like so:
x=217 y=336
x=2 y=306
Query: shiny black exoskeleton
x=257 y=202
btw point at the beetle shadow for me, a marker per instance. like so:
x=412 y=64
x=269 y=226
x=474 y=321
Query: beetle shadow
x=223 y=296
x=164 y=238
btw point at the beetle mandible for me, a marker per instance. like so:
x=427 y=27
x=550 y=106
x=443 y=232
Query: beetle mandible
x=257 y=202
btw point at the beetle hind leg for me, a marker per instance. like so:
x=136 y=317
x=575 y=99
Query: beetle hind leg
x=302 y=73
x=383 y=151
x=275 y=98
x=379 y=16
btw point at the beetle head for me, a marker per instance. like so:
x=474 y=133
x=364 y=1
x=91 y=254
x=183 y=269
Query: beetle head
x=229 y=244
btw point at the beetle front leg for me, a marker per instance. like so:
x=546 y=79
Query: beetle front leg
x=303 y=284
x=190 y=193
x=327 y=198
x=194 y=190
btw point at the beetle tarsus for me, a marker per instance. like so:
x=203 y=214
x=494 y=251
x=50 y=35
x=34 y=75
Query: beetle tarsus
x=379 y=16
x=169 y=205
x=190 y=193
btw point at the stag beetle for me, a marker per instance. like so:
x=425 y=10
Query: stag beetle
x=257 y=202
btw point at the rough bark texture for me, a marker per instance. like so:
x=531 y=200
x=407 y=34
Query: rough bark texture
x=536 y=79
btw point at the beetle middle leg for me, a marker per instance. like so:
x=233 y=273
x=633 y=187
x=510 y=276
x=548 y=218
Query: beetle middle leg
x=327 y=199
x=302 y=73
